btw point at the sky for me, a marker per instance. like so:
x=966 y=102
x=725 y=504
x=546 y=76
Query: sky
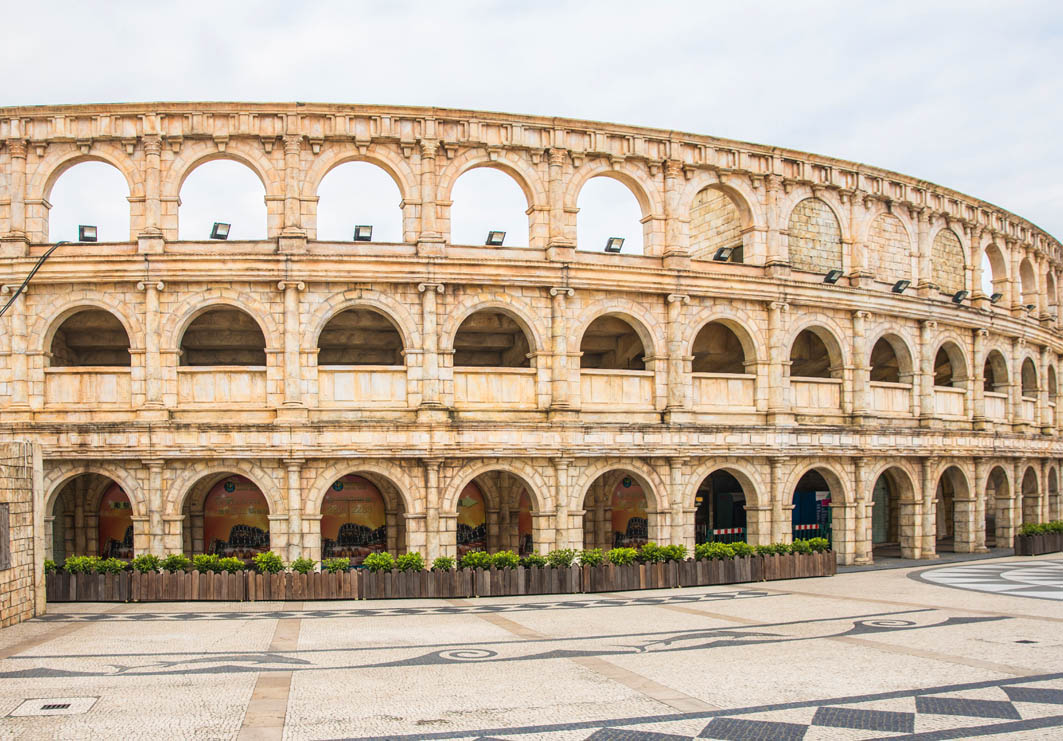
x=965 y=94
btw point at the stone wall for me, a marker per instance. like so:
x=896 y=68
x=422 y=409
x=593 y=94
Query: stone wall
x=889 y=249
x=21 y=528
x=815 y=237
x=714 y=222
x=947 y=265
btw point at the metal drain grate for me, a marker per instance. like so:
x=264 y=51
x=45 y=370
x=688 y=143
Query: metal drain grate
x=54 y=706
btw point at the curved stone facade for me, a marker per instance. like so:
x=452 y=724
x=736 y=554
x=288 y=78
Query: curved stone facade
x=556 y=380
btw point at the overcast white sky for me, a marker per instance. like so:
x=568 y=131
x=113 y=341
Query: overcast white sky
x=966 y=94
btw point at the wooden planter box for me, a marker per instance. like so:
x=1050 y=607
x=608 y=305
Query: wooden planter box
x=353 y=585
x=1036 y=545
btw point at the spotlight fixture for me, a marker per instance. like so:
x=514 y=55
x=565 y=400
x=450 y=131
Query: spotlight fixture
x=495 y=239
x=219 y=230
x=1030 y=307
x=363 y=233
x=723 y=254
x=832 y=276
x=901 y=285
x=614 y=244
x=995 y=297
x=86 y=233
x=959 y=296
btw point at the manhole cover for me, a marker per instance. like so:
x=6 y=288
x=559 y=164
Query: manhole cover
x=55 y=706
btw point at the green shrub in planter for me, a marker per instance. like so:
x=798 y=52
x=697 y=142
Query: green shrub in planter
x=333 y=565
x=505 y=560
x=714 y=551
x=146 y=563
x=382 y=561
x=819 y=545
x=111 y=566
x=443 y=563
x=622 y=556
x=674 y=552
x=1055 y=526
x=475 y=560
x=651 y=553
x=206 y=563
x=232 y=565
x=412 y=561
x=800 y=546
x=764 y=549
x=742 y=549
x=534 y=561
x=592 y=557
x=266 y=563
x=781 y=549
x=49 y=566
x=302 y=565
x=82 y=565
x=561 y=558
x=176 y=562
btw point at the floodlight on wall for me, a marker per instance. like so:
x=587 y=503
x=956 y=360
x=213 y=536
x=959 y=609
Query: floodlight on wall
x=363 y=233
x=86 y=233
x=723 y=254
x=959 y=296
x=995 y=297
x=833 y=276
x=901 y=285
x=220 y=230
x=495 y=239
x=1030 y=307
x=614 y=244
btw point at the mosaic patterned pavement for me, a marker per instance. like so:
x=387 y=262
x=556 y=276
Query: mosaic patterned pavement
x=1040 y=579
x=858 y=656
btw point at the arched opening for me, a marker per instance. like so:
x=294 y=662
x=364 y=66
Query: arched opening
x=994 y=271
x=357 y=519
x=355 y=194
x=496 y=512
x=997 y=509
x=1029 y=380
x=811 y=516
x=1052 y=293
x=90 y=337
x=721 y=510
x=995 y=373
x=948 y=265
x=885 y=366
x=611 y=343
x=488 y=199
x=815 y=237
x=717 y=349
x=1053 y=494
x=91 y=516
x=222 y=190
x=491 y=338
x=92 y=193
x=228 y=515
x=1053 y=394
x=1028 y=279
x=950 y=370
x=886 y=517
x=607 y=208
x=951 y=486
x=1031 y=498
x=810 y=358
x=360 y=337
x=223 y=336
x=715 y=223
x=616 y=512
x=889 y=249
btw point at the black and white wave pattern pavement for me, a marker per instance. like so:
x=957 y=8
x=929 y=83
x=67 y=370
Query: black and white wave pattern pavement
x=1037 y=579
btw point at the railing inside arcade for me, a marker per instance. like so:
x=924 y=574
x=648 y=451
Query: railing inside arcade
x=719 y=535
x=812 y=530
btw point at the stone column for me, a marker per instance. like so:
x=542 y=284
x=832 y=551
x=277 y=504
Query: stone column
x=928 y=547
x=1018 y=421
x=779 y=411
x=152 y=359
x=565 y=537
x=862 y=513
x=560 y=393
x=980 y=504
x=678 y=388
x=293 y=386
x=16 y=322
x=431 y=386
x=432 y=504
x=925 y=278
x=861 y=369
x=431 y=240
x=156 y=530
x=781 y=530
x=560 y=246
x=150 y=238
x=977 y=294
x=978 y=372
x=1044 y=412
x=294 y=468
x=1015 y=296
x=293 y=144
x=16 y=149
x=676 y=252
x=926 y=373
x=777 y=259
x=682 y=530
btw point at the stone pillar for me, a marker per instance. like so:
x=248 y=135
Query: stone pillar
x=1018 y=421
x=978 y=372
x=560 y=246
x=152 y=359
x=977 y=294
x=567 y=536
x=1015 y=296
x=156 y=530
x=682 y=530
x=678 y=387
x=676 y=251
x=293 y=387
x=861 y=369
x=294 y=468
x=1042 y=499
x=777 y=260
x=781 y=530
x=1044 y=412
x=431 y=385
x=16 y=149
x=278 y=533
x=173 y=536
x=964 y=511
x=928 y=546
x=862 y=495
x=925 y=277
x=560 y=391
x=926 y=373
x=980 y=504
x=16 y=323
x=779 y=411
x=432 y=504
x=431 y=240
x=293 y=144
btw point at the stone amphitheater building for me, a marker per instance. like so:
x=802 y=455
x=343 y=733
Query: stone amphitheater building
x=327 y=398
